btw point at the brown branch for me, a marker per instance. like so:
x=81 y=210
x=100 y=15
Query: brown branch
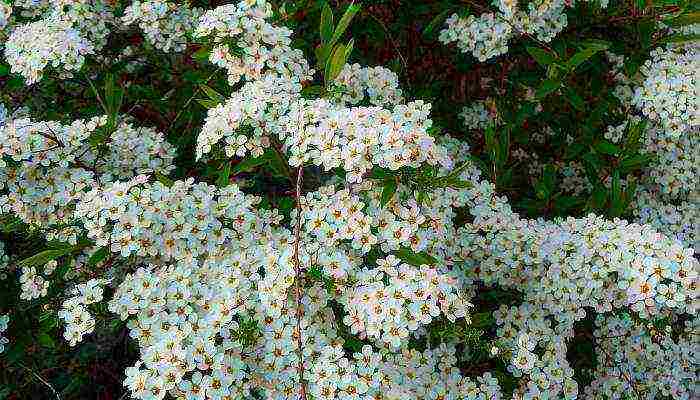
x=297 y=285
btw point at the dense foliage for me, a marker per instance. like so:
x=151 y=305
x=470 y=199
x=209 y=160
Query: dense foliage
x=371 y=200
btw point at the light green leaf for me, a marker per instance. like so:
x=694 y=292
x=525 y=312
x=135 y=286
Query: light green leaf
x=344 y=23
x=407 y=255
x=335 y=64
x=212 y=94
x=43 y=257
x=388 y=191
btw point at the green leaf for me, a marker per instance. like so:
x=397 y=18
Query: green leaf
x=593 y=165
x=388 y=191
x=677 y=38
x=335 y=63
x=46 y=340
x=407 y=255
x=223 y=179
x=573 y=97
x=164 y=179
x=589 y=50
x=616 y=200
x=634 y=133
x=598 y=197
x=212 y=94
x=435 y=22
x=684 y=19
x=248 y=164
x=544 y=188
x=458 y=184
x=635 y=162
x=541 y=56
x=208 y=104
x=607 y=147
x=312 y=91
x=547 y=87
x=202 y=54
x=348 y=49
x=98 y=256
x=277 y=164
x=326 y=28
x=344 y=23
x=43 y=257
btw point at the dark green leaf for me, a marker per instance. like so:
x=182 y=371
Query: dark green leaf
x=208 y=104
x=573 y=97
x=547 y=87
x=326 y=28
x=541 y=56
x=589 y=50
x=679 y=38
x=248 y=164
x=223 y=179
x=98 y=256
x=336 y=63
x=633 y=163
x=607 y=147
x=436 y=22
x=164 y=179
x=46 y=340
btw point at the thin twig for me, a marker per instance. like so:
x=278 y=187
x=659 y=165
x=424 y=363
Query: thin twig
x=97 y=94
x=393 y=42
x=37 y=376
x=187 y=103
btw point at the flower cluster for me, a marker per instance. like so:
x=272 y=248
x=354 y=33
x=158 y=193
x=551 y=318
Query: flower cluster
x=180 y=222
x=33 y=284
x=4 y=262
x=258 y=47
x=320 y=131
x=480 y=114
x=227 y=298
x=47 y=166
x=4 y=320
x=67 y=33
x=487 y=35
x=669 y=93
x=675 y=170
x=639 y=359
x=248 y=119
x=380 y=86
x=5 y=14
x=166 y=25
x=359 y=138
x=49 y=42
x=74 y=312
x=412 y=297
x=679 y=220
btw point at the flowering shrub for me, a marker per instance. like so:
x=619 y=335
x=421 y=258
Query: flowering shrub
x=233 y=209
